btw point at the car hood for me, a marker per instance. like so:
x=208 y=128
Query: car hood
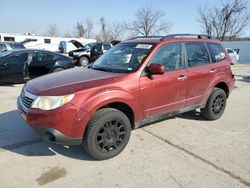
x=70 y=81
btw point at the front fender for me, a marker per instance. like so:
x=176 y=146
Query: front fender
x=101 y=98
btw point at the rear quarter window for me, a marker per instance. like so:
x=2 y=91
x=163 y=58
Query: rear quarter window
x=217 y=52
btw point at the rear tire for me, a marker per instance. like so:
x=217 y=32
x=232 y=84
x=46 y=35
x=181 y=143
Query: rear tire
x=216 y=104
x=107 y=133
x=57 y=69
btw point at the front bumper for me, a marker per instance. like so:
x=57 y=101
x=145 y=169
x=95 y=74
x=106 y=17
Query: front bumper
x=64 y=125
x=56 y=136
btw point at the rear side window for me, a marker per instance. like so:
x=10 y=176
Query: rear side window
x=197 y=54
x=42 y=57
x=217 y=52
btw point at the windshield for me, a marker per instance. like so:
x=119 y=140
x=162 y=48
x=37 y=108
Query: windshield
x=123 y=58
x=88 y=46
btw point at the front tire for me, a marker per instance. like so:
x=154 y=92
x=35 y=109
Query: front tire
x=216 y=104
x=107 y=133
x=84 y=61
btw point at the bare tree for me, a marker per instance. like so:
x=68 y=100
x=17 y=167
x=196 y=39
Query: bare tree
x=227 y=20
x=89 y=25
x=148 y=21
x=104 y=34
x=116 y=30
x=52 y=30
x=79 y=29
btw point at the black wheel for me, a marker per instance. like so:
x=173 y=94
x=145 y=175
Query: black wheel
x=216 y=104
x=57 y=69
x=107 y=133
x=84 y=61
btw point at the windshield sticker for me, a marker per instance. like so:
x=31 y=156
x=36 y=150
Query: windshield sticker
x=130 y=69
x=144 y=46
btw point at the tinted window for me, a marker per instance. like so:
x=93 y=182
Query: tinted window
x=97 y=47
x=230 y=51
x=170 y=56
x=16 y=46
x=106 y=46
x=41 y=57
x=2 y=47
x=9 y=39
x=16 y=58
x=47 y=41
x=217 y=52
x=197 y=54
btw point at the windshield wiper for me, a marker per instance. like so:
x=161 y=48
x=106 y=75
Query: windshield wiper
x=102 y=69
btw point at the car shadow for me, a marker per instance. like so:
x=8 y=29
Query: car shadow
x=192 y=115
x=243 y=78
x=17 y=137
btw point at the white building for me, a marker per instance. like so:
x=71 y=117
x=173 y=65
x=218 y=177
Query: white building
x=244 y=47
x=42 y=42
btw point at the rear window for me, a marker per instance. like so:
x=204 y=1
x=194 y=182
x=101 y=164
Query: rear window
x=16 y=46
x=106 y=46
x=2 y=47
x=217 y=52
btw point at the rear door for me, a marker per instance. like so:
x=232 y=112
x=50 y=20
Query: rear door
x=165 y=93
x=41 y=63
x=200 y=72
x=12 y=67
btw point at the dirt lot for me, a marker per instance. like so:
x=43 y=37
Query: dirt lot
x=183 y=151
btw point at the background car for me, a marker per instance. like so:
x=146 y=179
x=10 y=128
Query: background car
x=43 y=62
x=66 y=47
x=234 y=55
x=98 y=49
x=82 y=54
x=5 y=46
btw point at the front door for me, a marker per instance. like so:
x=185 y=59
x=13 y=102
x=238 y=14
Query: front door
x=165 y=93
x=12 y=67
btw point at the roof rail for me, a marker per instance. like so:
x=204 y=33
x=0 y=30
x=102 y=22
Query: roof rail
x=199 y=36
x=145 y=37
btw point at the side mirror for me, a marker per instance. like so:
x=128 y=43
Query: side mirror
x=156 y=69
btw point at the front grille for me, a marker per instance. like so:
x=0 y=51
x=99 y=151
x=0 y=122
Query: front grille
x=27 y=102
x=26 y=99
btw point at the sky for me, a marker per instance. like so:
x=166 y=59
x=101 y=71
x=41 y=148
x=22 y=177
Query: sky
x=34 y=16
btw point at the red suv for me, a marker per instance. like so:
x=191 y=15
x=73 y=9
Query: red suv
x=138 y=81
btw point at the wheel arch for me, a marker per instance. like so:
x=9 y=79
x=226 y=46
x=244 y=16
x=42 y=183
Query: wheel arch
x=222 y=85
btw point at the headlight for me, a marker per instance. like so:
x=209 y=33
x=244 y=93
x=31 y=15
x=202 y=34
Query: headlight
x=51 y=102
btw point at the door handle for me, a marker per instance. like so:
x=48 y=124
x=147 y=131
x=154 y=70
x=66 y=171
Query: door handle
x=182 y=78
x=212 y=71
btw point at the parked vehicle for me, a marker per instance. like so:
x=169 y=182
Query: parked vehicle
x=82 y=54
x=234 y=55
x=43 y=62
x=98 y=49
x=66 y=47
x=5 y=46
x=137 y=82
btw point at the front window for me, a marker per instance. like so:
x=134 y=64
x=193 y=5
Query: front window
x=123 y=58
